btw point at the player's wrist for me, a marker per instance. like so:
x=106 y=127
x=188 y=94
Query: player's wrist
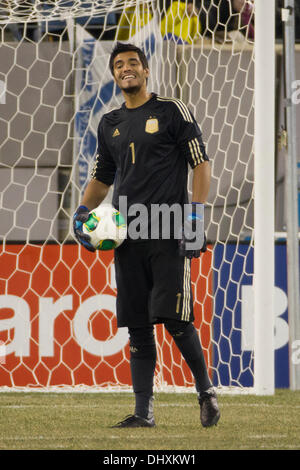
x=83 y=208
x=195 y=210
x=196 y=204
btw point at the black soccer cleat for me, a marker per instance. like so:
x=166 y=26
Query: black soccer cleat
x=135 y=421
x=209 y=409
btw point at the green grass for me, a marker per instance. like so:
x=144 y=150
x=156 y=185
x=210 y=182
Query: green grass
x=78 y=421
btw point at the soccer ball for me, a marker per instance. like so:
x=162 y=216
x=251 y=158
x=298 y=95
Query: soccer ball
x=106 y=227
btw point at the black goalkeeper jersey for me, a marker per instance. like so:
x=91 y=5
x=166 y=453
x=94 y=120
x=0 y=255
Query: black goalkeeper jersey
x=144 y=152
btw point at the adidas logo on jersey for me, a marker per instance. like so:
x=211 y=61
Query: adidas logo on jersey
x=116 y=133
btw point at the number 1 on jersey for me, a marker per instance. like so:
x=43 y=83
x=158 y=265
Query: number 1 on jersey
x=132 y=152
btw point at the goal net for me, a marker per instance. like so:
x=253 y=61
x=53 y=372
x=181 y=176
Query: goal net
x=57 y=300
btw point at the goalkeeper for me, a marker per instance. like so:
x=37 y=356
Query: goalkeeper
x=144 y=149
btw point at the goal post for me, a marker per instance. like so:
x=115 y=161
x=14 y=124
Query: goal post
x=292 y=188
x=264 y=197
x=57 y=301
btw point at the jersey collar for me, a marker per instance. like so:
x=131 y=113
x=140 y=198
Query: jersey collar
x=130 y=110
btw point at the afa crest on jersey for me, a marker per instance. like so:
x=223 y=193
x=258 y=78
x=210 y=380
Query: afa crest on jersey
x=151 y=126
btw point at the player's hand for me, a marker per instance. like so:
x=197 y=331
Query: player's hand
x=193 y=239
x=81 y=215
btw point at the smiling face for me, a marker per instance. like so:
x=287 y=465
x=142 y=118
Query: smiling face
x=129 y=73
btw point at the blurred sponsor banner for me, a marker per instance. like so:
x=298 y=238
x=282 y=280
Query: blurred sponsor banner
x=233 y=326
x=58 y=320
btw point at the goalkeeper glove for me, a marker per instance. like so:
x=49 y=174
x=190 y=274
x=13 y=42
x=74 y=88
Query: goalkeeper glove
x=193 y=239
x=81 y=215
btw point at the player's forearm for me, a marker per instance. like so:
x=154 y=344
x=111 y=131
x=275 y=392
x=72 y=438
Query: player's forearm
x=95 y=193
x=201 y=182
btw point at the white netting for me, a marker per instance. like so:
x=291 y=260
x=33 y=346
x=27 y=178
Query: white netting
x=18 y=11
x=57 y=310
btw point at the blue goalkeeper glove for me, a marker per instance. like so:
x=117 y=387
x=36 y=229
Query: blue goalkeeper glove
x=193 y=239
x=81 y=215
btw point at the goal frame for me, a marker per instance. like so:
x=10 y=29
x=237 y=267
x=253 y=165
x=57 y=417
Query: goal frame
x=264 y=196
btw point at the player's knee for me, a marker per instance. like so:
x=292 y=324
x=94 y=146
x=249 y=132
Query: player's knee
x=177 y=328
x=142 y=342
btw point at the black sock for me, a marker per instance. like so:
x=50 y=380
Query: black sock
x=187 y=340
x=142 y=366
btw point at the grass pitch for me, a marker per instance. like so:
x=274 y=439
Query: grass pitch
x=81 y=421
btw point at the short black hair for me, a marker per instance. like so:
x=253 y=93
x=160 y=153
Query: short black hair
x=121 y=47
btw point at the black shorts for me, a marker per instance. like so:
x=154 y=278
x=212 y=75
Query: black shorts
x=153 y=283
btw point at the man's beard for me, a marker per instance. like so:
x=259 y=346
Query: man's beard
x=133 y=90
